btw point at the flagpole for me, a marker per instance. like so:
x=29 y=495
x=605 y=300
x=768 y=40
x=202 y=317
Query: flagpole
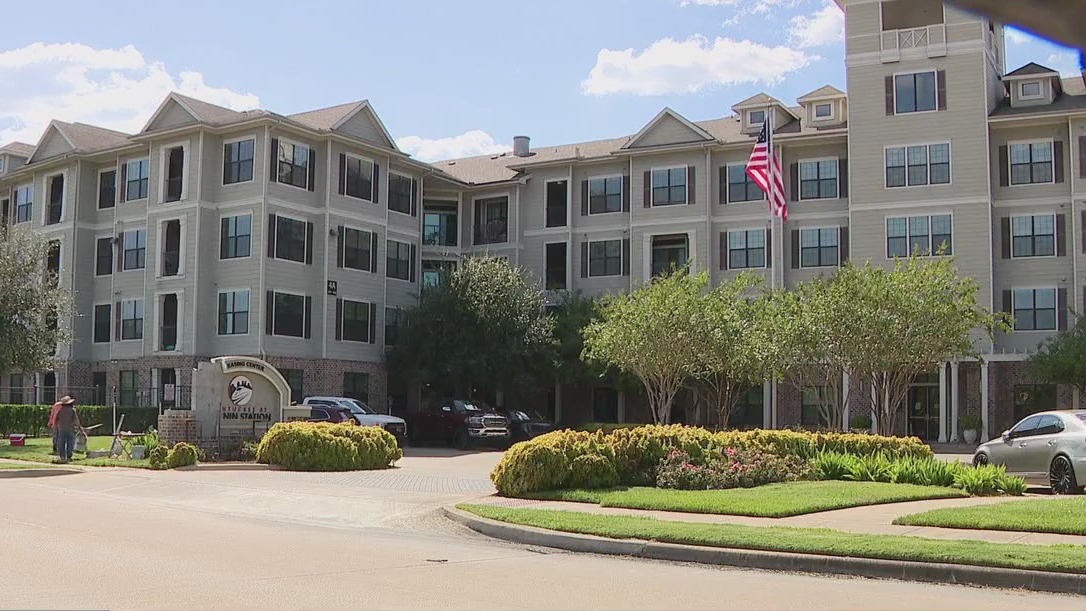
x=771 y=224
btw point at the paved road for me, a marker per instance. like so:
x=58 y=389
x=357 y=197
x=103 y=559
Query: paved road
x=273 y=540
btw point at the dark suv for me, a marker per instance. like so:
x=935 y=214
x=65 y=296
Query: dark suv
x=460 y=422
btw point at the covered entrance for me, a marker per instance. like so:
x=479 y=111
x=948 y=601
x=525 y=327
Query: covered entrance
x=922 y=402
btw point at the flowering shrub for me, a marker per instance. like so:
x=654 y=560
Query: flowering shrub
x=732 y=468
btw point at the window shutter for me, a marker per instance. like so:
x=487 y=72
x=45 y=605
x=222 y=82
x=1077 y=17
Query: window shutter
x=307 y=320
x=1008 y=305
x=223 y=225
x=647 y=190
x=768 y=248
x=312 y=170
x=795 y=249
x=722 y=188
x=340 y=246
x=414 y=197
x=584 y=259
x=1062 y=313
x=889 y=96
x=584 y=198
x=940 y=86
x=339 y=319
x=123 y=186
x=309 y=243
x=842 y=245
x=414 y=254
x=1057 y=160
x=273 y=167
x=691 y=185
x=1082 y=156
x=1061 y=235
x=373 y=323
x=723 y=247
x=1005 y=237
x=1004 y=166
x=269 y=313
x=794 y=174
x=373 y=251
x=626 y=193
x=842 y=177
x=117 y=321
x=225 y=163
x=626 y=256
x=342 y=173
x=270 y=238
x=376 y=183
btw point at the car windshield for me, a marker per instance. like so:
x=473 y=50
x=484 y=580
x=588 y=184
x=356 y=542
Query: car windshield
x=526 y=416
x=464 y=406
x=358 y=407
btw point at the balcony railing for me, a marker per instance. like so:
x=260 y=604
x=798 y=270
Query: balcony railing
x=925 y=41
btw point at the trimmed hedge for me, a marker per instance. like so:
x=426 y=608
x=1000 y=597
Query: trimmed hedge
x=546 y=462
x=318 y=446
x=181 y=455
x=34 y=419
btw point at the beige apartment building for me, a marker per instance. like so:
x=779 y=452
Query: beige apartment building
x=301 y=238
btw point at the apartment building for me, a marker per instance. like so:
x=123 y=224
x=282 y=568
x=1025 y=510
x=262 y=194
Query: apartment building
x=300 y=238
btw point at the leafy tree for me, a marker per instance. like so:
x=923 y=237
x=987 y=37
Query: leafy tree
x=31 y=303
x=483 y=326
x=652 y=333
x=571 y=316
x=1062 y=359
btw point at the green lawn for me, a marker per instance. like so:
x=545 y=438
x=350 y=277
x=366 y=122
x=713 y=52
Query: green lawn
x=770 y=501
x=8 y=465
x=37 y=449
x=1063 y=516
x=1060 y=558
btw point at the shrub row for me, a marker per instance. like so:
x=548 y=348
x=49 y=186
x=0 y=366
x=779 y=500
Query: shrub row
x=977 y=481
x=34 y=419
x=310 y=446
x=546 y=462
x=733 y=469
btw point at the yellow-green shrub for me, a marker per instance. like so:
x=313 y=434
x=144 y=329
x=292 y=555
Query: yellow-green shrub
x=181 y=455
x=313 y=446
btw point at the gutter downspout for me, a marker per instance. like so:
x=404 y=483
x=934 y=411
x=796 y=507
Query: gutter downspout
x=195 y=272
x=74 y=314
x=262 y=296
x=327 y=243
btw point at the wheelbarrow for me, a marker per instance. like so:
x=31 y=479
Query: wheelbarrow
x=81 y=438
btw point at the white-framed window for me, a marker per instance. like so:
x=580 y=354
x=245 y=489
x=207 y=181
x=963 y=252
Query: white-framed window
x=917 y=165
x=174 y=172
x=604 y=258
x=1031 y=90
x=171 y=241
x=54 y=199
x=238 y=160
x=107 y=188
x=359 y=177
x=915 y=92
x=133 y=249
x=746 y=249
x=400 y=260
x=290 y=239
x=1031 y=162
x=289 y=315
x=819 y=247
x=168 y=308
x=669 y=186
x=818 y=179
x=24 y=203
x=1035 y=309
x=354 y=321
x=236 y=236
x=823 y=110
x=755 y=118
x=604 y=194
x=926 y=234
x=234 y=312
x=103 y=256
x=293 y=164
x=131 y=319
x=491 y=222
x=137 y=179
x=1033 y=235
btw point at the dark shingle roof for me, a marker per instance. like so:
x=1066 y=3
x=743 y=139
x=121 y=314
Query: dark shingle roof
x=91 y=138
x=1072 y=99
x=1031 y=69
x=20 y=149
x=326 y=118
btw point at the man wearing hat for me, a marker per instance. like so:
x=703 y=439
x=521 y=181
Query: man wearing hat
x=67 y=423
x=53 y=423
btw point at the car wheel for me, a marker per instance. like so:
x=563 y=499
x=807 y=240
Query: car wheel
x=980 y=460
x=1061 y=476
x=461 y=441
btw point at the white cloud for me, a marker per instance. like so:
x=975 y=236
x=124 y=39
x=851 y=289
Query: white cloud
x=467 y=144
x=825 y=26
x=1066 y=63
x=671 y=66
x=114 y=88
x=756 y=7
x=1017 y=37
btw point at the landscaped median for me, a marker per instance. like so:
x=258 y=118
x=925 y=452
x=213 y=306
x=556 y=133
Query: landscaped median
x=1061 y=516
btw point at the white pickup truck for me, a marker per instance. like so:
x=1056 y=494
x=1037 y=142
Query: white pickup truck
x=365 y=415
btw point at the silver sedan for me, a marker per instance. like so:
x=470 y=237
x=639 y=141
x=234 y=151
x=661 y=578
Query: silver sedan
x=1048 y=448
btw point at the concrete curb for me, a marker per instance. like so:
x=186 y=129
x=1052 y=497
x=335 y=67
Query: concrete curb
x=1041 y=581
x=36 y=472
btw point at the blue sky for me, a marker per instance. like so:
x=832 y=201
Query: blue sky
x=475 y=73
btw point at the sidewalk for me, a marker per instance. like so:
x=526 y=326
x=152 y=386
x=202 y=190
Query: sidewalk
x=872 y=519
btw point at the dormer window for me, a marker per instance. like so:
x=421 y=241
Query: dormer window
x=1030 y=90
x=755 y=117
x=823 y=111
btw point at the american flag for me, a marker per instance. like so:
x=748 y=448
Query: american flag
x=764 y=168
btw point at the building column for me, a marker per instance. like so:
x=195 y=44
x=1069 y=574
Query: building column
x=767 y=403
x=955 y=396
x=845 y=422
x=984 y=401
x=942 y=402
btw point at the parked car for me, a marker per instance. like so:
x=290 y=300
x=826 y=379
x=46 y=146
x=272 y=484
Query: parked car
x=331 y=413
x=1048 y=448
x=459 y=422
x=364 y=415
x=525 y=425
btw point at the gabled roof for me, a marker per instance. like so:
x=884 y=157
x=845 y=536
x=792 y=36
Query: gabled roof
x=206 y=112
x=1032 y=69
x=19 y=149
x=91 y=138
x=1072 y=98
x=762 y=100
x=697 y=133
x=822 y=93
x=333 y=117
